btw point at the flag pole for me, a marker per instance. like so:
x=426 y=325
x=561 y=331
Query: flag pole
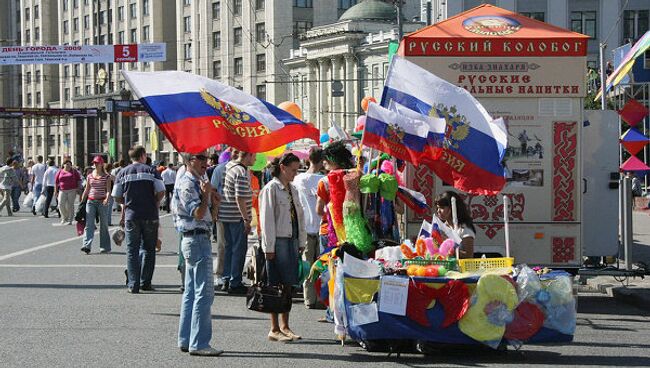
x=506 y=221
x=454 y=221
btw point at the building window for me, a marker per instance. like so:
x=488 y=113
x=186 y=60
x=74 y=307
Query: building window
x=145 y=7
x=187 y=51
x=145 y=33
x=86 y=21
x=216 y=69
x=260 y=32
x=346 y=4
x=540 y=16
x=66 y=71
x=87 y=69
x=66 y=94
x=216 y=40
x=37 y=14
x=187 y=24
x=259 y=4
x=237 y=36
x=65 y=27
x=120 y=13
x=303 y=3
x=75 y=4
x=65 y=5
x=37 y=76
x=187 y=2
x=29 y=99
x=87 y=90
x=237 y=7
x=75 y=24
x=37 y=33
x=30 y=140
x=120 y=37
x=635 y=24
x=77 y=91
x=301 y=27
x=38 y=98
x=28 y=77
x=134 y=35
x=75 y=70
x=216 y=10
x=260 y=91
x=28 y=36
x=260 y=62
x=26 y=14
x=39 y=141
x=133 y=11
x=584 y=22
x=239 y=66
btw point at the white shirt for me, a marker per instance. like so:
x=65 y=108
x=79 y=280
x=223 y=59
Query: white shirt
x=168 y=176
x=38 y=171
x=307 y=186
x=49 y=176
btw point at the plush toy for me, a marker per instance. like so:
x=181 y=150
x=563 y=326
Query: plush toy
x=420 y=247
x=432 y=247
x=407 y=252
x=447 y=248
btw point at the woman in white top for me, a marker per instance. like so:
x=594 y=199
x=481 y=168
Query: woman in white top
x=465 y=227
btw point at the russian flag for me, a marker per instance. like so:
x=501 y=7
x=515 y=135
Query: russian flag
x=395 y=134
x=414 y=200
x=196 y=113
x=468 y=153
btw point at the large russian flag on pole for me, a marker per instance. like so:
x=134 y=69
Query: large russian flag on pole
x=196 y=113
x=395 y=134
x=468 y=155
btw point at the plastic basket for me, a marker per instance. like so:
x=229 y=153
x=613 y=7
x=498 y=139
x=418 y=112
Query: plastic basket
x=448 y=264
x=476 y=264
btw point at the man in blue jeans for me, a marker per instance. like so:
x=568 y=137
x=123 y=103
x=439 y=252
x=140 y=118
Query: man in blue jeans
x=139 y=188
x=235 y=214
x=195 y=208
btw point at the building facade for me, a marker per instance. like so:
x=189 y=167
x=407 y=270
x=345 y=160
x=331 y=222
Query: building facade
x=338 y=64
x=10 y=78
x=595 y=18
x=98 y=22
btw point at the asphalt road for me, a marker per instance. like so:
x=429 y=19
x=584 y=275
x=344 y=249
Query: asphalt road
x=61 y=308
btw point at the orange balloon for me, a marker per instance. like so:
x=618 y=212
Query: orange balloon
x=292 y=109
x=366 y=101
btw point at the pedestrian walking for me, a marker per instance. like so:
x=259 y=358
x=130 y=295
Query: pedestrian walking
x=20 y=185
x=67 y=183
x=48 y=185
x=168 y=178
x=235 y=214
x=307 y=185
x=139 y=188
x=7 y=180
x=38 y=172
x=283 y=236
x=96 y=195
x=196 y=205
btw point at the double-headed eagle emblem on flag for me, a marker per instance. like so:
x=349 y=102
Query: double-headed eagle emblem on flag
x=230 y=113
x=457 y=125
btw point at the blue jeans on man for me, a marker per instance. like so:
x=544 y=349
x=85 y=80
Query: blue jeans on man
x=95 y=208
x=235 y=254
x=195 y=325
x=37 y=193
x=141 y=237
x=15 y=198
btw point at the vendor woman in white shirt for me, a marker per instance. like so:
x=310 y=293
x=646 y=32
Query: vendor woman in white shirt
x=465 y=227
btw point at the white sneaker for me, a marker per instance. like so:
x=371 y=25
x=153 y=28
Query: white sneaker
x=206 y=352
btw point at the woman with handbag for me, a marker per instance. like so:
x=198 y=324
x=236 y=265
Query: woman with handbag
x=283 y=236
x=67 y=183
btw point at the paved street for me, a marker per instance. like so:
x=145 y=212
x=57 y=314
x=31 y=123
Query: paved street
x=60 y=308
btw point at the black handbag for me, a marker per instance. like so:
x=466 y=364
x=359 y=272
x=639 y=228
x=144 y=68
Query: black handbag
x=268 y=298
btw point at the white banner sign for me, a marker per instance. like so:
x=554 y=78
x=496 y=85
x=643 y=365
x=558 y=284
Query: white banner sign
x=66 y=54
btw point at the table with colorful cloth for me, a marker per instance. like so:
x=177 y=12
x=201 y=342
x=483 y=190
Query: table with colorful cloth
x=488 y=308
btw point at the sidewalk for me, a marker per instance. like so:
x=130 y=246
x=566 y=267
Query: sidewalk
x=634 y=291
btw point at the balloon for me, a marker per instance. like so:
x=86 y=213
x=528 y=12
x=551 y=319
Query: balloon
x=260 y=162
x=366 y=101
x=361 y=123
x=291 y=108
x=324 y=138
x=276 y=151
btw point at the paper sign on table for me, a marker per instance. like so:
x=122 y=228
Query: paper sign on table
x=355 y=267
x=363 y=314
x=393 y=295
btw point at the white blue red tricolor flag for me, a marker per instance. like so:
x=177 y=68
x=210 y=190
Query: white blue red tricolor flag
x=468 y=152
x=414 y=200
x=196 y=113
x=398 y=135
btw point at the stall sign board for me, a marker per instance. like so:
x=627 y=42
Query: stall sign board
x=75 y=54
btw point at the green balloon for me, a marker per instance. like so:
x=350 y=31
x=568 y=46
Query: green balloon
x=260 y=162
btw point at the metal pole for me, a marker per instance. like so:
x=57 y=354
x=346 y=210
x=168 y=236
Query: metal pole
x=506 y=222
x=601 y=53
x=400 y=31
x=627 y=222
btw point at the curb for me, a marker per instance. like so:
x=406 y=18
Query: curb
x=639 y=298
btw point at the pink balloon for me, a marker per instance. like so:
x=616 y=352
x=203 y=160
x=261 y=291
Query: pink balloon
x=361 y=123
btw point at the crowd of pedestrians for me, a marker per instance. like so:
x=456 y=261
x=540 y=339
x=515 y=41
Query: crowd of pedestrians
x=214 y=199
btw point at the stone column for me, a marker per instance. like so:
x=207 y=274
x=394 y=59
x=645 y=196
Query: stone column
x=312 y=92
x=323 y=95
x=337 y=102
x=350 y=95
